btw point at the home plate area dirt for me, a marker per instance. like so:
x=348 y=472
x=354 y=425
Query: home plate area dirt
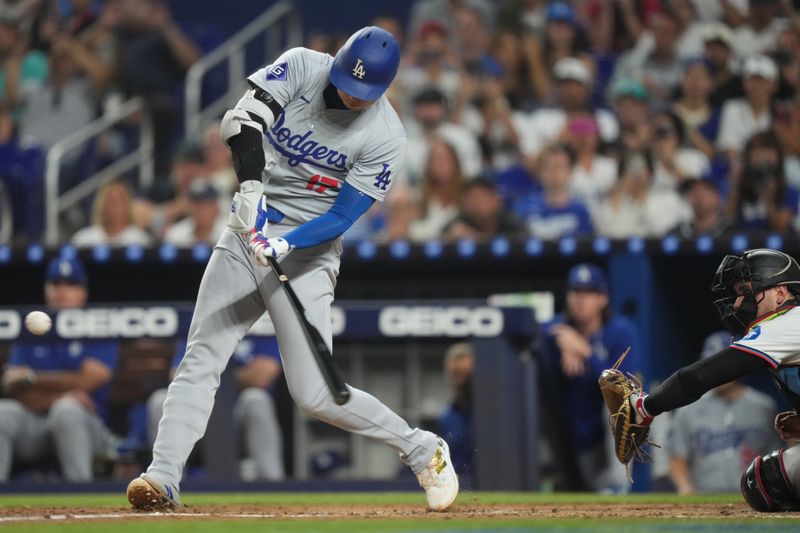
x=464 y=510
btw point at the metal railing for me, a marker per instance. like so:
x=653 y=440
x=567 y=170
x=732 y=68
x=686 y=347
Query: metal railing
x=281 y=20
x=142 y=157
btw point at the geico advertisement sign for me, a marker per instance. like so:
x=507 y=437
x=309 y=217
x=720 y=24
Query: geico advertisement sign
x=432 y=321
x=123 y=322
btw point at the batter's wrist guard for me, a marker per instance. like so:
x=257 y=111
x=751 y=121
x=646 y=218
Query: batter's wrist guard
x=244 y=207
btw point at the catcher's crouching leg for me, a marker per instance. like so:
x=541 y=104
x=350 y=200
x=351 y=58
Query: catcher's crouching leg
x=766 y=485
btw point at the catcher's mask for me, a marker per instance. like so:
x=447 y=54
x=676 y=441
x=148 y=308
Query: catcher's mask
x=762 y=268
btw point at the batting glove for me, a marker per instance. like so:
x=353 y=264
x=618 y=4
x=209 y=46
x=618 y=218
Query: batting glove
x=262 y=247
x=244 y=208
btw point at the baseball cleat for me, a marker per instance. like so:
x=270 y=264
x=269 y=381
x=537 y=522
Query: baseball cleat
x=439 y=479
x=148 y=494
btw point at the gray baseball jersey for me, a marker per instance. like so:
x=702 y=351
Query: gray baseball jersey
x=315 y=149
x=719 y=438
x=311 y=150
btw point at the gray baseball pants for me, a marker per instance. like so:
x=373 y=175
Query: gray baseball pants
x=234 y=293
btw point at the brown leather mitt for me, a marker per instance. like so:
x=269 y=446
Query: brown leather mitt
x=620 y=391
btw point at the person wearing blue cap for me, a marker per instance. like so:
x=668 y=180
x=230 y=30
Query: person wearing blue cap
x=714 y=439
x=579 y=344
x=57 y=389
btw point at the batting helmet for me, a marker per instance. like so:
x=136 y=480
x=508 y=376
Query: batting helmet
x=367 y=63
x=762 y=268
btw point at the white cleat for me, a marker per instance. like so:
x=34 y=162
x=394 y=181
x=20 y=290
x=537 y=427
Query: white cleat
x=439 y=479
x=146 y=493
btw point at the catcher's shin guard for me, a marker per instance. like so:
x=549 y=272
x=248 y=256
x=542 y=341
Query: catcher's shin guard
x=766 y=486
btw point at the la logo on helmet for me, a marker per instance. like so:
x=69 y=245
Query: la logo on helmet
x=358 y=70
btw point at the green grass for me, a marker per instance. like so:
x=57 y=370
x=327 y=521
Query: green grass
x=422 y=524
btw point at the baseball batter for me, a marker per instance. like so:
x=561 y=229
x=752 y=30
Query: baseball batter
x=760 y=306
x=314 y=144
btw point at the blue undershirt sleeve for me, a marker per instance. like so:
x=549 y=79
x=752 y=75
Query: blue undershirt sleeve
x=348 y=207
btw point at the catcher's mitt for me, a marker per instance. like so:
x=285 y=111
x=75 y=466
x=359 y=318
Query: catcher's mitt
x=629 y=436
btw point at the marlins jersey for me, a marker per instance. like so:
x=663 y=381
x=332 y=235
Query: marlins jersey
x=775 y=338
x=313 y=149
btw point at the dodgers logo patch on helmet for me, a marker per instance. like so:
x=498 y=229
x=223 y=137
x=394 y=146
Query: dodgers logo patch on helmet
x=367 y=63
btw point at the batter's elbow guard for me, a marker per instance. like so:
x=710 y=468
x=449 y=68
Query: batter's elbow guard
x=766 y=486
x=247 y=154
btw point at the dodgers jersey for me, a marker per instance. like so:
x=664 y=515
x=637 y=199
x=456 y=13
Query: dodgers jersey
x=63 y=355
x=312 y=149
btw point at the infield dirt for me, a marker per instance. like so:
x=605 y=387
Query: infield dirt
x=463 y=510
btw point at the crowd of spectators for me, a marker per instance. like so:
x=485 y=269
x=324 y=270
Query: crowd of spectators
x=524 y=117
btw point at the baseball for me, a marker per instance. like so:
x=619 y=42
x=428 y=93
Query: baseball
x=38 y=322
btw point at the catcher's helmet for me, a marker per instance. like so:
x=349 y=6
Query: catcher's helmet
x=367 y=63
x=763 y=268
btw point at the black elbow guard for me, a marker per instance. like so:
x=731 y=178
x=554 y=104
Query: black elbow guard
x=247 y=154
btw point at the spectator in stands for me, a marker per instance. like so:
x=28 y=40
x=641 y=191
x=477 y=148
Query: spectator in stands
x=455 y=423
x=713 y=439
x=634 y=207
x=563 y=38
x=614 y=27
x=732 y=12
x=96 y=48
x=593 y=174
x=257 y=367
x=472 y=30
x=718 y=52
x=154 y=54
x=578 y=346
x=402 y=210
x=554 y=212
x=57 y=389
x=574 y=88
x=759 y=33
x=112 y=219
x=529 y=15
x=166 y=203
x=741 y=118
x=704 y=197
x=491 y=118
x=760 y=199
x=204 y=225
x=79 y=16
x=659 y=69
x=431 y=63
x=21 y=70
x=631 y=104
x=219 y=166
x=673 y=160
x=689 y=43
x=60 y=106
x=21 y=12
x=787 y=108
x=442 y=183
x=431 y=120
x=513 y=53
x=482 y=215
x=700 y=120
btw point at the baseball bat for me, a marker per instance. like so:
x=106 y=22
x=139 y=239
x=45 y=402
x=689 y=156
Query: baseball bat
x=330 y=372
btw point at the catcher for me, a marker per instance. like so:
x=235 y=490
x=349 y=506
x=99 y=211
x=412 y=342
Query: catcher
x=758 y=302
